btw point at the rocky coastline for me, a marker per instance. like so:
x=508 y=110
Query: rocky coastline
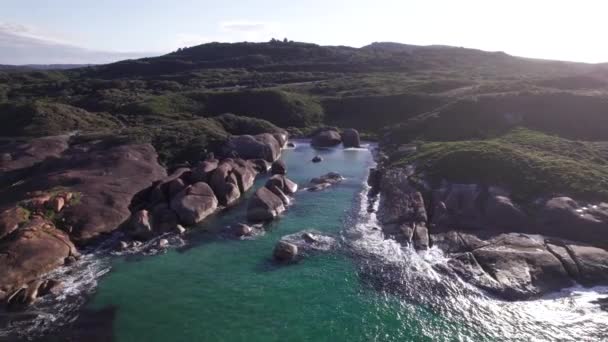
x=510 y=251
x=60 y=197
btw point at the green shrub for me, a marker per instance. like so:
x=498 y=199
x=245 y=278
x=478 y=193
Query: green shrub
x=281 y=108
x=41 y=118
x=527 y=162
x=238 y=125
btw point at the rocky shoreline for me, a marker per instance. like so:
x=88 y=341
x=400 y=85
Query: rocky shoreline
x=60 y=197
x=491 y=241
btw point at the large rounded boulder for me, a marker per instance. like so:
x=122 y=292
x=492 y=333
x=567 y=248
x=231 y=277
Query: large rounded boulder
x=350 y=138
x=264 y=206
x=285 y=251
x=262 y=146
x=326 y=138
x=194 y=203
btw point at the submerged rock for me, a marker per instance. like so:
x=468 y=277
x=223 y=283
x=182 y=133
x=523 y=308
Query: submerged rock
x=285 y=251
x=317 y=159
x=278 y=168
x=241 y=229
x=163 y=243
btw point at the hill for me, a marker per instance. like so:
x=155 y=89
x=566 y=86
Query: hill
x=397 y=93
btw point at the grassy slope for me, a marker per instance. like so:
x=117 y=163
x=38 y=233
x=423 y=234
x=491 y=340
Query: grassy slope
x=528 y=162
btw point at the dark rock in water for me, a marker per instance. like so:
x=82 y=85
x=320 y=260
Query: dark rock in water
x=262 y=146
x=122 y=245
x=309 y=238
x=141 y=225
x=602 y=302
x=289 y=187
x=278 y=168
x=285 y=251
x=331 y=178
x=317 y=159
x=163 y=243
x=264 y=205
x=318 y=187
x=23 y=297
x=164 y=219
x=283 y=183
x=291 y=145
x=194 y=203
x=326 y=138
x=260 y=165
x=49 y=286
x=350 y=138
x=373 y=180
x=280 y=194
x=325 y=181
x=179 y=229
x=32 y=251
x=421 y=237
x=241 y=229
x=400 y=201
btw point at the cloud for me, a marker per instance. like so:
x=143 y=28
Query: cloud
x=21 y=44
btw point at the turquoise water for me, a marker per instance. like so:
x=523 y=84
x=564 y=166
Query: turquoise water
x=217 y=288
x=229 y=290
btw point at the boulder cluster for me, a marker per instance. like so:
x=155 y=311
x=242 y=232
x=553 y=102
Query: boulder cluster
x=59 y=193
x=329 y=137
x=492 y=242
x=272 y=199
x=189 y=195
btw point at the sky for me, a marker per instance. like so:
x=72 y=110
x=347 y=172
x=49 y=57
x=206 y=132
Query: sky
x=96 y=31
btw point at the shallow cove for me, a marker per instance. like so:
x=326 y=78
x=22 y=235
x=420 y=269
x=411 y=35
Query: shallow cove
x=369 y=289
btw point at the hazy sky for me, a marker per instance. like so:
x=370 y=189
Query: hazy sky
x=96 y=31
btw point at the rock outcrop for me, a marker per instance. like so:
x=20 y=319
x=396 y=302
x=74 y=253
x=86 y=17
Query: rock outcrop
x=492 y=242
x=33 y=250
x=350 y=138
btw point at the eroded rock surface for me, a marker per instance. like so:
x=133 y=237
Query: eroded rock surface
x=491 y=241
